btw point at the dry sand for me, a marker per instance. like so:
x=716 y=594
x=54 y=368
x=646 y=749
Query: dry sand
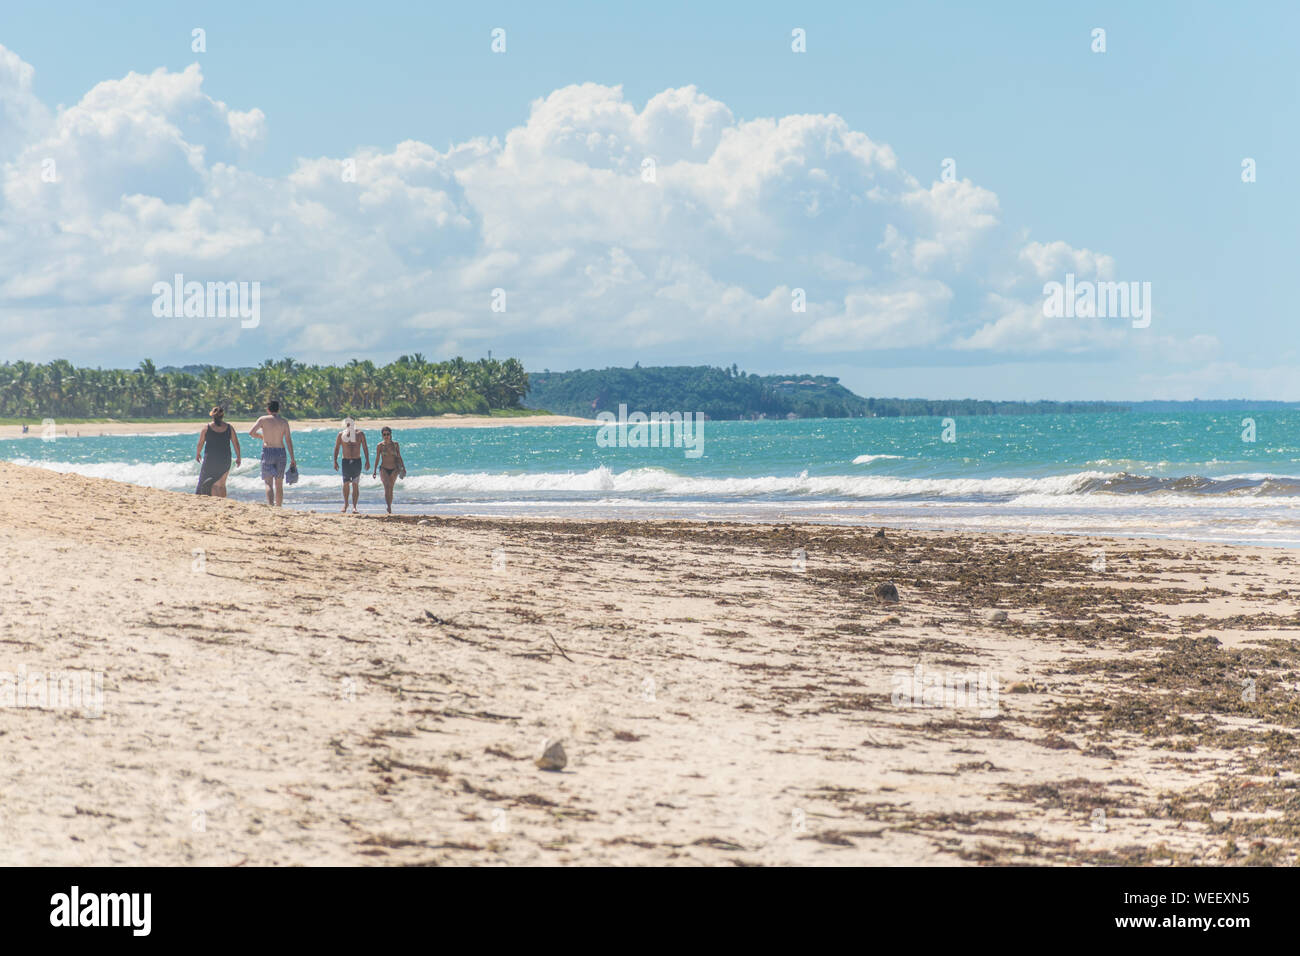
x=321 y=689
x=90 y=429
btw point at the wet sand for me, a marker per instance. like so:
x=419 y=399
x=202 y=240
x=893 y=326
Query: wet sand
x=294 y=688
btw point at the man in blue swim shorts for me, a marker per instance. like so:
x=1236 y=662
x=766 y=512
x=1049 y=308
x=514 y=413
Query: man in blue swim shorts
x=274 y=432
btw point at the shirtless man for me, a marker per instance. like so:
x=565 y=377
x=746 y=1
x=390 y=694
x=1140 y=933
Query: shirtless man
x=388 y=459
x=274 y=432
x=352 y=441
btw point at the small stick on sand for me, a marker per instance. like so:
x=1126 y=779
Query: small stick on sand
x=558 y=647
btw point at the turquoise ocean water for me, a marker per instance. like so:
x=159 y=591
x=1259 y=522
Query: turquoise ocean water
x=1147 y=474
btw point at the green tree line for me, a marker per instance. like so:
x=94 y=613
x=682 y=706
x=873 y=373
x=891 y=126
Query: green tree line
x=729 y=393
x=718 y=393
x=409 y=386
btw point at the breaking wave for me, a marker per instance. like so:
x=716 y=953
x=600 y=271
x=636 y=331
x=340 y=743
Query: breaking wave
x=661 y=483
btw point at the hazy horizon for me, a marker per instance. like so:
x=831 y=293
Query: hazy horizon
x=172 y=367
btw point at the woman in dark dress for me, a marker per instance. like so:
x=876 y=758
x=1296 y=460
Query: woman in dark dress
x=214 y=451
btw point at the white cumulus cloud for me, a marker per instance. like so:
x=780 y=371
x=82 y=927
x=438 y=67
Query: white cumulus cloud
x=675 y=227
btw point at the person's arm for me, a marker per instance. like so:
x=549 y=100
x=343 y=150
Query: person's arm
x=401 y=465
x=365 y=448
x=256 y=430
x=198 y=452
x=338 y=443
x=379 y=456
x=288 y=440
x=234 y=437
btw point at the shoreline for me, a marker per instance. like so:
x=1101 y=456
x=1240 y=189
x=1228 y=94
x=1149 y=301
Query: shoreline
x=726 y=694
x=96 y=429
x=951 y=517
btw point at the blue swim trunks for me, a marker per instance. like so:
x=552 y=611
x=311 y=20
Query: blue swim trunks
x=351 y=469
x=274 y=461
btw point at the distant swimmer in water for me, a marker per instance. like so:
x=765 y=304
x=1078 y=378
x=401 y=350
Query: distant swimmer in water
x=352 y=441
x=388 y=460
x=214 y=451
x=274 y=432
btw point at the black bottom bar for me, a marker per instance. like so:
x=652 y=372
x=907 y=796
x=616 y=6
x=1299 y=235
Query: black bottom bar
x=339 y=905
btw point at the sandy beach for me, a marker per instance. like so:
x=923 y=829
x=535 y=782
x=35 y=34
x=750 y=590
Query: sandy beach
x=91 y=429
x=286 y=688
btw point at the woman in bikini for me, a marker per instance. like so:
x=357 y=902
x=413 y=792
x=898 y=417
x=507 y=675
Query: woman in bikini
x=388 y=460
x=214 y=451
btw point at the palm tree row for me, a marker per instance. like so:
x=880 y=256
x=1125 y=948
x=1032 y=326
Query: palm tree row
x=409 y=386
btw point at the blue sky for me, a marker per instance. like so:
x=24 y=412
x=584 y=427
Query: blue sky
x=1132 y=155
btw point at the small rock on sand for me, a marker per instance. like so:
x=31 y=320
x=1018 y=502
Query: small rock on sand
x=887 y=592
x=997 y=617
x=553 y=757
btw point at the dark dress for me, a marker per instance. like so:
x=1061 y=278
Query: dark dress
x=216 y=459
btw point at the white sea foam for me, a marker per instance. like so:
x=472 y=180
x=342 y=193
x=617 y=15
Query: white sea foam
x=167 y=474
x=602 y=480
x=868 y=459
x=660 y=482
x=1077 y=491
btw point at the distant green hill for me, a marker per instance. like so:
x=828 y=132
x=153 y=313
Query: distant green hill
x=728 y=393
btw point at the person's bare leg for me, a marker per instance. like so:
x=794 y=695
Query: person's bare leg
x=270 y=494
x=219 y=487
x=345 y=497
x=388 y=492
x=279 y=492
x=356 y=493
